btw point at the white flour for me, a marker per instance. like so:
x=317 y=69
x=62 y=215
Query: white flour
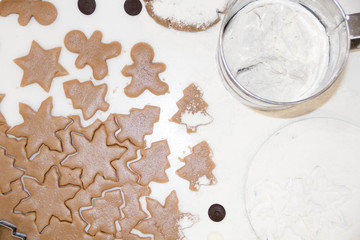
x=277 y=49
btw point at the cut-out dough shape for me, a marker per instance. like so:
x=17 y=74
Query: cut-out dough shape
x=198 y=167
x=47 y=199
x=94 y=157
x=164 y=222
x=187 y=15
x=44 y=12
x=8 y=173
x=153 y=163
x=9 y=233
x=41 y=66
x=92 y=51
x=192 y=110
x=87 y=97
x=144 y=72
x=34 y=129
x=104 y=213
x=137 y=124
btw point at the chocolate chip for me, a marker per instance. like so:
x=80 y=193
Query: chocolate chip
x=87 y=7
x=216 y=212
x=132 y=7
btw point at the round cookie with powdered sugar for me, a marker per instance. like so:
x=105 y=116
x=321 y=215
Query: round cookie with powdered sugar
x=187 y=15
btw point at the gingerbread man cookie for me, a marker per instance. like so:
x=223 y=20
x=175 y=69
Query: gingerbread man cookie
x=144 y=72
x=44 y=12
x=92 y=51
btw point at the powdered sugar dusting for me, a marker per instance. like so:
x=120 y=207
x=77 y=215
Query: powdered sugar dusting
x=199 y=13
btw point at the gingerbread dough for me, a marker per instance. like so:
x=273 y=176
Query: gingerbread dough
x=44 y=12
x=198 y=167
x=192 y=110
x=137 y=124
x=104 y=213
x=41 y=66
x=8 y=172
x=164 y=222
x=153 y=163
x=34 y=129
x=47 y=199
x=144 y=72
x=87 y=97
x=94 y=157
x=92 y=51
x=8 y=233
x=187 y=15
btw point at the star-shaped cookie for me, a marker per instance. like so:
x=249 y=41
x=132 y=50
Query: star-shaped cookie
x=47 y=199
x=86 y=96
x=94 y=157
x=39 y=127
x=41 y=66
x=144 y=72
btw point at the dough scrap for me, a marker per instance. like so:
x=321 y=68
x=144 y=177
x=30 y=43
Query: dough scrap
x=94 y=157
x=144 y=72
x=86 y=96
x=153 y=163
x=45 y=13
x=9 y=172
x=41 y=66
x=137 y=124
x=92 y=51
x=192 y=110
x=104 y=213
x=47 y=199
x=36 y=132
x=187 y=15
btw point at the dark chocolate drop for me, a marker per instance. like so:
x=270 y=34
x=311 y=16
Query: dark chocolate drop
x=87 y=7
x=216 y=212
x=132 y=7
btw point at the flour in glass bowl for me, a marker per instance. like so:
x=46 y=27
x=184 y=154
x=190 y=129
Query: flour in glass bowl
x=277 y=50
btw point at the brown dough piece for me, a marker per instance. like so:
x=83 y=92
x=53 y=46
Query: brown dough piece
x=104 y=213
x=47 y=199
x=7 y=233
x=14 y=148
x=75 y=126
x=153 y=163
x=2 y=119
x=132 y=210
x=24 y=223
x=137 y=124
x=164 y=221
x=191 y=103
x=94 y=157
x=83 y=197
x=44 y=12
x=92 y=51
x=35 y=131
x=124 y=174
x=8 y=173
x=144 y=72
x=111 y=127
x=197 y=165
x=86 y=96
x=41 y=66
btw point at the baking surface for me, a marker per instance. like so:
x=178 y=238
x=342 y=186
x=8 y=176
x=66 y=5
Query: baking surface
x=236 y=133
